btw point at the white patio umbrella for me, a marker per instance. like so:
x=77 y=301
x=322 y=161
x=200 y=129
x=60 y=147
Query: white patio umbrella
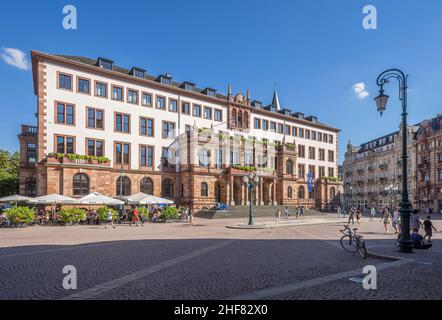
x=98 y=198
x=53 y=199
x=141 y=198
x=15 y=198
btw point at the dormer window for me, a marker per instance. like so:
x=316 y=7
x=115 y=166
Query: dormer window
x=166 y=79
x=257 y=104
x=273 y=109
x=105 y=63
x=137 y=72
x=211 y=92
x=188 y=86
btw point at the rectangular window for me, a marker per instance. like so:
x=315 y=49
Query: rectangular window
x=311 y=153
x=295 y=131
x=197 y=110
x=168 y=130
x=321 y=154
x=312 y=170
x=83 y=85
x=65 y=113
x=301 y=132
x=331 y=172
x=101 y=89
x=313 y=135
x=95 y=147
x=272 y=126
x=219 y=159
x=31 y=152
x=146 y=156
x=122 y=153
x=117 y=93
x=265 y=125
x=65 y=144
x=287 y=130
x=64 y=81
x=185 y=107
x=319 y=136
x=331 y=156
x=301 y=151
x=218 y=115
x=161 y=102
x=325 y=138
x=321 y=172
x=132 y=96
x=257 y=123
x=95 y=118
x=207 y=113
x=307 y=134
x=280 y=128
x=330 y=138
x=234 y=158
x=173 y=105
x=301 y=171
x=146 y=100
x=122 y=122
x=146 y=127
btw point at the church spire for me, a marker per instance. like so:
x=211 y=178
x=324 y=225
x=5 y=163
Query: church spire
x=275 y=100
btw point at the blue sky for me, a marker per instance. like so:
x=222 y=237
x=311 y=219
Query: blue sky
x=315 y=50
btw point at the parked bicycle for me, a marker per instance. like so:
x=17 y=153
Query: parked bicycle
x=353 y=242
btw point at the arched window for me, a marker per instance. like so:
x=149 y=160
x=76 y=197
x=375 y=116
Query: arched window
x=332 y=193
x=289 y=167
x=204 y=189
x=234 y=117
x=31 y=187
x=301 y=192
x=240 y=119
x=80 y=184
x=167 y=188
x=204 y=157
x=123 y=186
x=146 y=185
x=289 y=192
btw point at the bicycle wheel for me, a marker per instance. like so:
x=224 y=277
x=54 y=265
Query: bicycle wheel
x=349 y=243
x=361 y=248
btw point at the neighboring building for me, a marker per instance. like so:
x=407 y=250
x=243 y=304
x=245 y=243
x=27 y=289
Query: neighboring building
x=119 y=131
x=429 y=164
x=374 y=167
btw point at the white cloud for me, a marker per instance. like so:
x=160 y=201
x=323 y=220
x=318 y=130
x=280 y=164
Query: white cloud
x=16 y=58
x=359 y=89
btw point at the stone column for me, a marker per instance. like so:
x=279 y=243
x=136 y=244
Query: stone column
x=232 y=197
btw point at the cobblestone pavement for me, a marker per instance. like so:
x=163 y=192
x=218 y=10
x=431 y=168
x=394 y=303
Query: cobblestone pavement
x=210 y=261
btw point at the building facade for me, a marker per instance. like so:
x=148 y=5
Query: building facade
x=373 y=171
x=119 y=131
x=429 y=164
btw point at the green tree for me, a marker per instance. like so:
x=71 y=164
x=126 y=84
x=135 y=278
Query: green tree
x=9 y=163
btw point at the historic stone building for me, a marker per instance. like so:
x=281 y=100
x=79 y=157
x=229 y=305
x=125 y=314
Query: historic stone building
x=373 y=171
x=119 y=131
x=429 y=164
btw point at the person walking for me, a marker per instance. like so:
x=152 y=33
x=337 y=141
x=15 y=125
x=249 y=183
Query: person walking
x=298 y=211
x=190 y=217
x=358 y=216
x=351 y=215
x=385 y=219
x=429 y=227
x=415 y=221
x=339 y=211
x=135 y=217
x=109 y=219
x=302 y=211
x=396 y=218
x=278 y=215
x=287 y=213
x=372 y=213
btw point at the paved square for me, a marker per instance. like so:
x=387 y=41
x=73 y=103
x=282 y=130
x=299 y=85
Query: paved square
x=210 y=261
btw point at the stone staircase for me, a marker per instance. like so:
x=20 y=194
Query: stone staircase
x=258 y=211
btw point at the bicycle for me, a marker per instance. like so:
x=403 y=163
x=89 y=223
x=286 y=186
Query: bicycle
x=353 y=242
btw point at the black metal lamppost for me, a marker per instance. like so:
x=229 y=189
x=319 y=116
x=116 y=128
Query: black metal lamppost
x=251 y=181
x=405 y=243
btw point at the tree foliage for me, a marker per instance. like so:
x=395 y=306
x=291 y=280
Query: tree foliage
x=9 y=163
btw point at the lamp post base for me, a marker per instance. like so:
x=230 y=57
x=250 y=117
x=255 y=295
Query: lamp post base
x=405 y=246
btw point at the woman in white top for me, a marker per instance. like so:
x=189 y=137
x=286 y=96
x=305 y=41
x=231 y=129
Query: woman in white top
x=396 y=220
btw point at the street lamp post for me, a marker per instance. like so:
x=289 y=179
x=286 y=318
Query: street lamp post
x=405 y=243
x=251 y=181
